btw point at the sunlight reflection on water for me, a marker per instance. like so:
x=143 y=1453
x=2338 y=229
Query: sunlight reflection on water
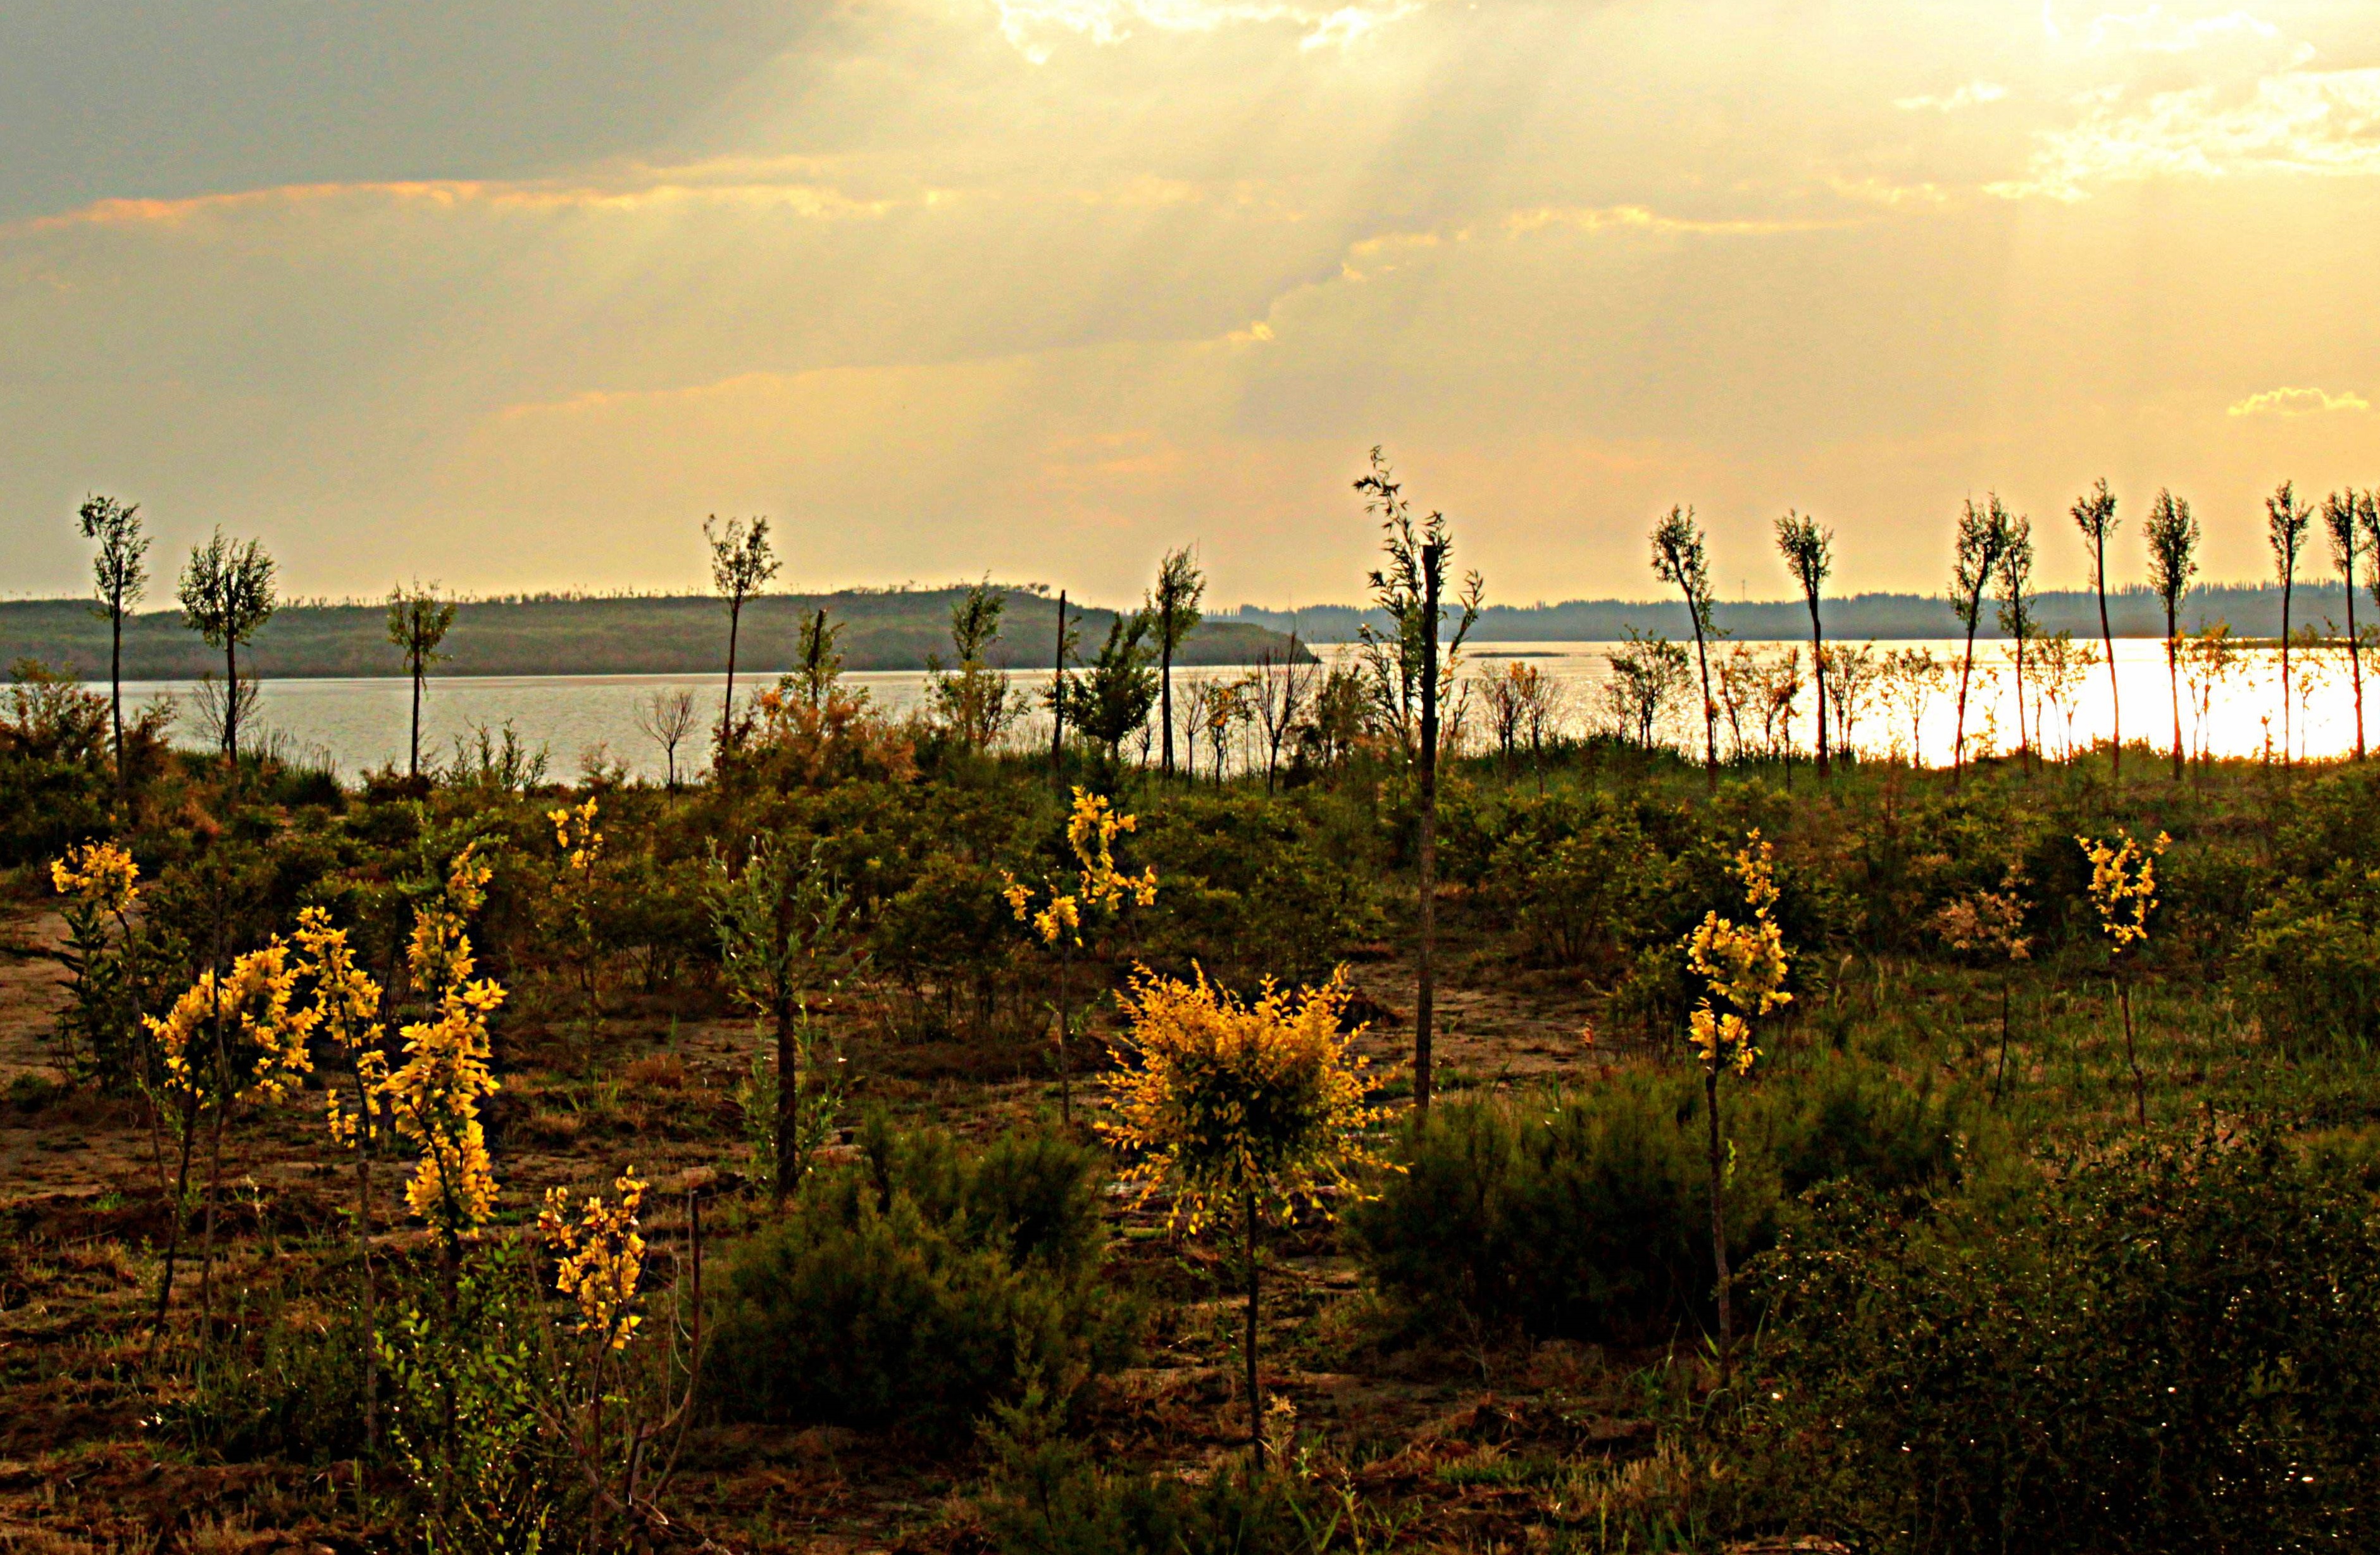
x=361 y=724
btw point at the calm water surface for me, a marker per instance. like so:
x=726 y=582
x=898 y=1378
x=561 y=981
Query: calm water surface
x=357 y=725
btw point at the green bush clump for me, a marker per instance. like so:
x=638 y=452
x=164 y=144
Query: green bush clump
x=1047 y=1495
x=2311 y=959
x=1589 y=1218
x=2178 y=1347
x=922 y=1288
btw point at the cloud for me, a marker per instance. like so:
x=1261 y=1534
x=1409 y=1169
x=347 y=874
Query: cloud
x=2154 y=30
x=2293 y=121
x=1033 y=25
x=2298 y=402
x=1968 y=96
x=629 y=190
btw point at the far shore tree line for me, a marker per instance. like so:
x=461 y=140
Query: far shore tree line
x=1992 y=562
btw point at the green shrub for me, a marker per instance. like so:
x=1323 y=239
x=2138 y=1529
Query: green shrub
x=2310 y=959
x=1033 y=1197
x=922 y=1290
x=2177 y=1348
x=1847 y=1121
x=1590 y=1221
x=1047 y=1495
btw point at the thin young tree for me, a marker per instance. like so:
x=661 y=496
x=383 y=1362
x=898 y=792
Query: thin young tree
x=1982 y=540
x=1809 y=553
x=817 y=664
x=780 y=926
x=2367 y=525
x=119 y=576
x=417 y=621
x=2172 y=536
x=741 y=564
x=1411 y=591
x=2094 y=515
x=1743 y=968
x=1681 y=559
x=1173 y=612
x=1069 y=640
x=2285 y=522
x=1236 y=1110
x=2016 y=615
x=666 y=717
x=2338 y=514
x=227 y=596
x=1284 y=684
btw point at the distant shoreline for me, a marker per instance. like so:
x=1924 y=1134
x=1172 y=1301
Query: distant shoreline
x=682 y=635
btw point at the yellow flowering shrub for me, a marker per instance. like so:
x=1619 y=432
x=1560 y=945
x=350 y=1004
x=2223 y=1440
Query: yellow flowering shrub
x=601 y=1255
x=1091 y=832
x=99 y=875
x=263 y=1038
x=344 y=1011
x=2123 y=884
x=1742 y=966
x=1221 y=1100
x=435 y=1094
x=575 y=835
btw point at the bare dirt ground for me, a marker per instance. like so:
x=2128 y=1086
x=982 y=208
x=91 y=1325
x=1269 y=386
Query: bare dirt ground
x=83 y=1222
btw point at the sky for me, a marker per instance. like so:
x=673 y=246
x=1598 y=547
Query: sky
x=510 y=294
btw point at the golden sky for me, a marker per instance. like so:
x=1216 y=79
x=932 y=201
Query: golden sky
x=512 y=295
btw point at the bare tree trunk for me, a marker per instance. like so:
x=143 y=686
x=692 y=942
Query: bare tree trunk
x=1058 y=697
x=413 y=765
x=2289 y=756
x=2355 y=651
x=1424 y=993
x=1719 y=1231
x=727 y=708
x=1165 y=684
x=1710 y=708
x=789 y=1100
x=1256 y=1400
x=2115 y=694
x=174 y=1235
x=1819 y=674
x=116 y=687
x=2132 y=1054
x=2173 y=674
x=1065 y=1062
x=1966 y=671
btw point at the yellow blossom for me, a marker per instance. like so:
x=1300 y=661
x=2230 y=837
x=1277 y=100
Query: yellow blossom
x=1091 y=830
x=435 y=1094
x=237 y=1038
x=346 y=1007
x=100 y=874
x=1742 y=964
x=2123 y=884
x=600 y=1257
x=1220 y=1099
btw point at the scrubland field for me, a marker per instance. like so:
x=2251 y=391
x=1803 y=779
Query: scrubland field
x=2048 y=1200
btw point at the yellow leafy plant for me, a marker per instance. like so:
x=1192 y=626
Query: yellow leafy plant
x=2124 y=895
x=610 y=1423
x=100 y=883
x=344 y=1011
x=233 y=1036
x=1742 y=966
x=1236 y=1107
x=1100 y=893
x=435 y=1096
x=599 y=1257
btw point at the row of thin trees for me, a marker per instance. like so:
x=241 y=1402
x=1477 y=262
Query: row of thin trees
x=1993 y=559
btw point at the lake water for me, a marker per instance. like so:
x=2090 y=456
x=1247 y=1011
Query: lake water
x=357 y=725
